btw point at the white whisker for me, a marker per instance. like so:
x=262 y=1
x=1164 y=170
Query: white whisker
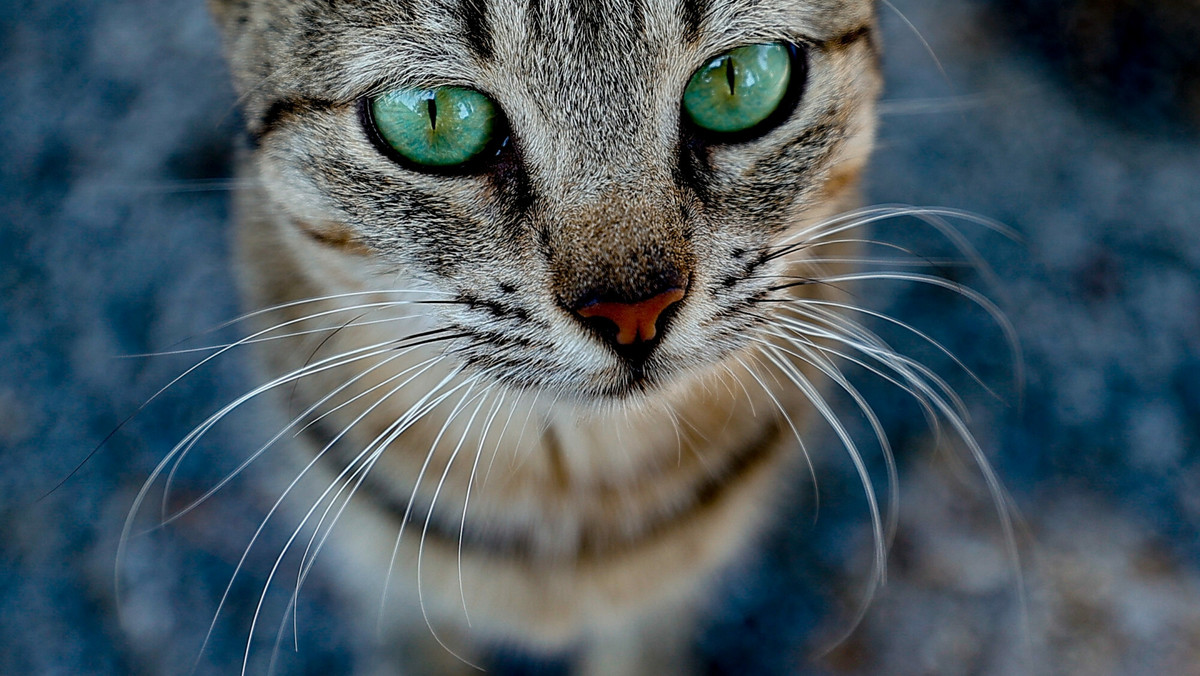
x=869 y=345
x=330 y=363
x=192 y=437
x=267 y=339
x=437 y=491
x=879 y=574
x=413 y=412
x=316 y=458
x=1001 y=321
x=812 y=353
x=497 y=404
x=520 y=438
x=813 y=305
x=812 y=471
x=416 y=484
x=462 y=403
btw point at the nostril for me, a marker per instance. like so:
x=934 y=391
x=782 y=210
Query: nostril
x=636 y=322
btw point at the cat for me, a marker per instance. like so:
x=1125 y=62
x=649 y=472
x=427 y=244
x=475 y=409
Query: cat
x=555 y=292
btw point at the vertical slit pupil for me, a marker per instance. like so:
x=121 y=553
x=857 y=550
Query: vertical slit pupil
x=730 y=75
x=431 y=106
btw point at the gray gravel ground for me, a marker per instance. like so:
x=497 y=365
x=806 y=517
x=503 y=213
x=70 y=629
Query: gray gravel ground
x=116 y=123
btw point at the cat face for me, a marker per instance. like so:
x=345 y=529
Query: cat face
x=602 y=241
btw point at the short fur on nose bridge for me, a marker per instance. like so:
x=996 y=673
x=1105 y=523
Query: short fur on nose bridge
x=636 y=322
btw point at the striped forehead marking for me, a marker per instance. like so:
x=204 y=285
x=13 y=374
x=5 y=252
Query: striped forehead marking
x=588 y=20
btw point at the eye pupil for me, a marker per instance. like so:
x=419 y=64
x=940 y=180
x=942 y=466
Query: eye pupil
x=431 y=105
x=730 y=76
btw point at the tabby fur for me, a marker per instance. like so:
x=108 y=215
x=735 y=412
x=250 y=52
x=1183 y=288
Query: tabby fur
x=521 y=474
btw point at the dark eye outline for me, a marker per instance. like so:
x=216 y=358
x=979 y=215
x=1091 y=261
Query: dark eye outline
x=479 y=163
x=797 y=85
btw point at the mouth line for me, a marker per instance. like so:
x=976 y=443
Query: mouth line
x=635 y=380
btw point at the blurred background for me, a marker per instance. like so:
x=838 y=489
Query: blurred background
x=1074 y=122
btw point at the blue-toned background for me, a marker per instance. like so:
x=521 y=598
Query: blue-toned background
x=1076 y=128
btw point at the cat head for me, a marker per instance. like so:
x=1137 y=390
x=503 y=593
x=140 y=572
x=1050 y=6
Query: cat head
x=610 y=181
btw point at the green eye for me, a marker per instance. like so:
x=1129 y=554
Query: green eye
x=740 y=88
x=438 y=128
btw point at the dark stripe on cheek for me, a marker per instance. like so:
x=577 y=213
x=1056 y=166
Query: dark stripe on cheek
x=276 y=113
x=848 y=38
x=281 y=112
x=341 y=238
x=821 y=134
x=799 y=158
x=693 y=13
x=476 y=28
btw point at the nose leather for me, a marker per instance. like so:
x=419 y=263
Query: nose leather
x=636 y=322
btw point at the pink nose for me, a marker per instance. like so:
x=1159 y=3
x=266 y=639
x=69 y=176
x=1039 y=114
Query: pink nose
x=636 y=322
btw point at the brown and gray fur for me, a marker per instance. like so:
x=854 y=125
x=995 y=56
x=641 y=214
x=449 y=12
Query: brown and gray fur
x=521 y=473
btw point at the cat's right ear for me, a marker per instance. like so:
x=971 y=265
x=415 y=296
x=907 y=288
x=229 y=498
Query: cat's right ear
x=230 y=14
